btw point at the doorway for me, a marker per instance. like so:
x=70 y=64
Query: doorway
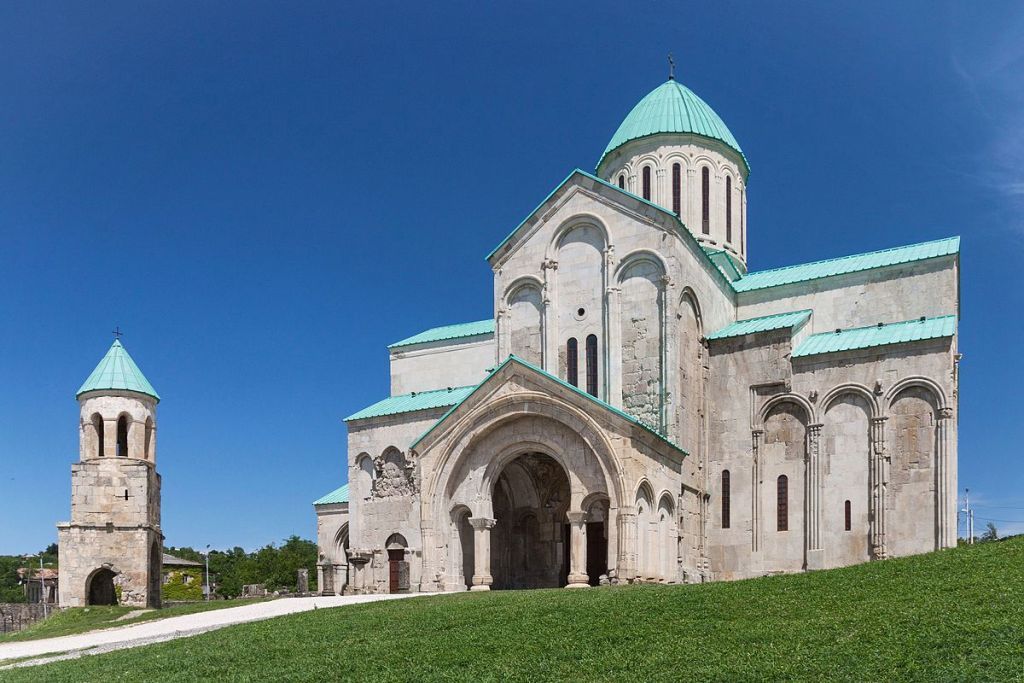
x=100 y=590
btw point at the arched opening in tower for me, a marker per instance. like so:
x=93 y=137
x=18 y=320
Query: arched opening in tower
x=530 y=542
x=122 y=436
x=100 y=588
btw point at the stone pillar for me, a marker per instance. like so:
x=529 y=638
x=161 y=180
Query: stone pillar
x=877 y=483
x=812 y=484
x=626 y=523
x=578 y=550
x=359 y=560
x=945 y=502
x=755 y=493
x=548 y=319
x=482 y=578
x=613 y=352
x=660 y=191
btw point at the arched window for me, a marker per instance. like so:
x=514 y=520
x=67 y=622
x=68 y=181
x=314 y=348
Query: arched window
x=592 y=364
x=148 y=452
x=705 y=196
x=743 y=227
x=848 y=515
x=782 y=503
x=677 y=189
x=122 y=437
x=622 y=181
x=572 y=359
x=728 y=209
x=97 y=423
x=647 y=182
x=725 y=499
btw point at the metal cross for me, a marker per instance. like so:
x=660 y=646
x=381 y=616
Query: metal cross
x=671 y=67
x=117 y=332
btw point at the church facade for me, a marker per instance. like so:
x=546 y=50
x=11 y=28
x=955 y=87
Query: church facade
x=641 y=408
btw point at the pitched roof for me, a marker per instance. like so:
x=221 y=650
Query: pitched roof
x=574 y=389
x=456 y=331
x=778 y=321
x=117 y=370
x=847 y=264
x=877 y=335
x=730 y=266
x=338 y=495
x=672 y=108
x=417 y=400
x=172 y=561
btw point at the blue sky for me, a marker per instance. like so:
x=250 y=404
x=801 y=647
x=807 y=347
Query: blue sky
x=263 y=196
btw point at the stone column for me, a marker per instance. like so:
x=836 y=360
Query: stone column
x=812 y=484
x=359 y=559
x=613 y=353
x=548 y=322
x=945 y=503
x=578 y=550
x=660 y=191
x=482 y=578
x=626 y=523
x=876 y=485
x=755 y=493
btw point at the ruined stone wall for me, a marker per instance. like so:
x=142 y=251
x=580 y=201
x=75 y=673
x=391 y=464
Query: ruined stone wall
x=15 y=616
x=642 y=337
x=525 y=311
x=125 y=551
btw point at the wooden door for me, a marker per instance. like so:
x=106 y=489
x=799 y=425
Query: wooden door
x=395 y=557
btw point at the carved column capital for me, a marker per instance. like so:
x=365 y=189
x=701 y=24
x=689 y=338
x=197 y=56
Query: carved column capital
x=576 y=517
x=549 y=264
x=482 y=523
x=945 y=413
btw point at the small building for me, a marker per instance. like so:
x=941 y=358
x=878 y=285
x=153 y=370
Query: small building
x=182 y=579
x=39 y=584
x=332 y=567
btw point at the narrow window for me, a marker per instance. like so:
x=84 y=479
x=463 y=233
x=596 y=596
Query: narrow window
x=743 y=227
x=98 y=422
x=849 y=516
x=728 y=209
x=647 y=182
x=622 y=181
x=705 y=195
x=725 y=499
x=782 y=504
x=677 y=188
x=122 y=437
x=572 y=362
x=592 y=364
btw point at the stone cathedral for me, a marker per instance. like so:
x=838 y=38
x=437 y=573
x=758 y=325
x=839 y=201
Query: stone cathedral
x=642 y=408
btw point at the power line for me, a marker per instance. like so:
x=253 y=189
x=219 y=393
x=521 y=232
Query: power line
x=1002 y=521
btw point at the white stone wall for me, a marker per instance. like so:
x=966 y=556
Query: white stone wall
x=437 y=365
x=332 y=539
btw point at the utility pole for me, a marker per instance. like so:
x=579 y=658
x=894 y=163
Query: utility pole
x=207 y=591
x=970 y=516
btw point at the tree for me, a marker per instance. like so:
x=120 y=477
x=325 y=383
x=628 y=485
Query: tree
x=991 y=533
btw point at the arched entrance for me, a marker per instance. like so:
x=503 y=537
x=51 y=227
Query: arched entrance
x=155 y=582
x=530 y=544
x=398 y=568
x=100 y=588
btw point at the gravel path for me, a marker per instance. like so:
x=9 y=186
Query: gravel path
x=159 y=630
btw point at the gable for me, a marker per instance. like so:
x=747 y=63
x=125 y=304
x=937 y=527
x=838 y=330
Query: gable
x=508 y=373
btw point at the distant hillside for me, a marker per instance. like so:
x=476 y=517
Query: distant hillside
x=952 y=615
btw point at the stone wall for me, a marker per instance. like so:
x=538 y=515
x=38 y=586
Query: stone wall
x=15 y=616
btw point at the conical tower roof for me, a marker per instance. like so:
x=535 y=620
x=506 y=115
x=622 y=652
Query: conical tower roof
x=118 y=371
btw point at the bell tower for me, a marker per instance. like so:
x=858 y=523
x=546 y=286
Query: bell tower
x=111 y=551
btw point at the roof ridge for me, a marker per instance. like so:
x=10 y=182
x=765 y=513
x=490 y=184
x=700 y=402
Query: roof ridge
x=776 y=315
x=849 y=256
x=912 y=321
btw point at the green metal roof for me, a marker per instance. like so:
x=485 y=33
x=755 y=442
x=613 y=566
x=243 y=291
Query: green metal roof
x=672 y=108
x=877 y=335
x=847 y=264
x=730 y=266
x=576 y=390
x=118 y=371
x=779 y=321
x=417 y=400
x=456 y=331
x=339 y=495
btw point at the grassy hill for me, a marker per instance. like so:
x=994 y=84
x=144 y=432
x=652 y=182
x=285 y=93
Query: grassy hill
x=953 y=615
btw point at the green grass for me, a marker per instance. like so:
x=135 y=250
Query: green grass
x=82 y=619
x=954 y=615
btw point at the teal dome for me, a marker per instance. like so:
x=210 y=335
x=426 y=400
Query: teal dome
x=117 y=370
x=672 y=108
